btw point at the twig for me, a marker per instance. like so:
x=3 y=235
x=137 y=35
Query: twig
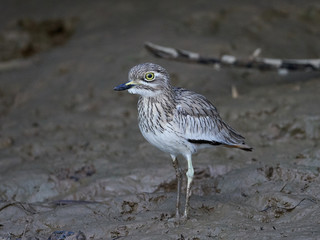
x=254 y=61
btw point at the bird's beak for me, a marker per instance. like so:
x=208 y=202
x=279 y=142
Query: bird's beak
x=125 y=86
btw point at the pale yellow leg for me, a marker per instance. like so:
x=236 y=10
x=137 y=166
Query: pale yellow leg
x=190 y=174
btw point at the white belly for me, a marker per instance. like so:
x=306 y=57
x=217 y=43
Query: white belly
x=169 y=142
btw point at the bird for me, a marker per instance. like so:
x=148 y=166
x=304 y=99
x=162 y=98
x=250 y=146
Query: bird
x=177 y=121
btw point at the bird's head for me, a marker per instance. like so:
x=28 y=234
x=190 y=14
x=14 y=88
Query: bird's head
x=147 y=80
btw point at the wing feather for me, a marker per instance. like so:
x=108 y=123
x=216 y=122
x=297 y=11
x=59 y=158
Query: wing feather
x=199 y=120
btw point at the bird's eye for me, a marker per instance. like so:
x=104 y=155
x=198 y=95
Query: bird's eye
x=149 y=76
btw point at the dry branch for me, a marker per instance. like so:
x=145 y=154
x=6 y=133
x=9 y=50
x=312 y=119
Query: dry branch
x=253 y=61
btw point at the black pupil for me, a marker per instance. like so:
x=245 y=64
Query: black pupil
x=149 y=76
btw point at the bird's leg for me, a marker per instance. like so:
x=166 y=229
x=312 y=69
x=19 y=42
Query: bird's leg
x=189 y=174
x=175 y=164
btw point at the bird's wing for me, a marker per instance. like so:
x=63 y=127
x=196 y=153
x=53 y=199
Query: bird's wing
x=200 y=122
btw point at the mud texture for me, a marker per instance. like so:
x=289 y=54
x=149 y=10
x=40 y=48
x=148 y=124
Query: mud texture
x=73 y=164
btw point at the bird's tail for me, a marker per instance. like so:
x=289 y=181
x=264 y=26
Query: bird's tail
x=241 y=146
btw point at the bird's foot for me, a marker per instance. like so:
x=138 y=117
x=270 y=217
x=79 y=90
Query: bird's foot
x=184 y=218
x=174 y=218
x=177 y=219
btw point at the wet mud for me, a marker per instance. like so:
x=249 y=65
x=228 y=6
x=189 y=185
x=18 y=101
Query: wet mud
x=73 y=164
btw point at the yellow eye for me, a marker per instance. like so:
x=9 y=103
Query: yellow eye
x=149 y=76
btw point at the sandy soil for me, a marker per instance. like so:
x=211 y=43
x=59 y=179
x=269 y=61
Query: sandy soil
x=73 y=164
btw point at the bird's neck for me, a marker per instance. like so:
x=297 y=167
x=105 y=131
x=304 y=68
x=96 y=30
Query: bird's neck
x=165 y=95
x=156 y=108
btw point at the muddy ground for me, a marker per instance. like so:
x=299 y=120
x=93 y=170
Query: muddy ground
x=73 y=164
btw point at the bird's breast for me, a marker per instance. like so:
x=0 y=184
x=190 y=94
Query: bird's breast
x=158 y=127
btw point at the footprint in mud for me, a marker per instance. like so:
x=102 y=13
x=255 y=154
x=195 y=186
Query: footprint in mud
x=120 y=231
x=67 y=235
x=75 y=174
x=129 y=207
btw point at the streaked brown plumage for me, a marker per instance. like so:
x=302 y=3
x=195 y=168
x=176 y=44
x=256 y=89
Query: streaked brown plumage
x=176 y=120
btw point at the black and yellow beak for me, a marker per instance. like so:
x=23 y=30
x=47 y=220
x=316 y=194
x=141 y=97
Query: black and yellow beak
x=124 y=86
